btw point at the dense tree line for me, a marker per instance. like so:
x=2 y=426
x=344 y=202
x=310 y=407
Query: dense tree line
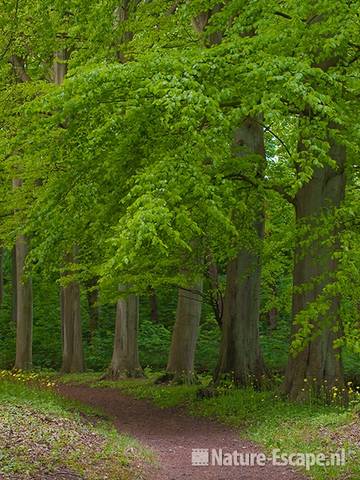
x=212 y=146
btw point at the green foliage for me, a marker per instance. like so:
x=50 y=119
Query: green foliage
x=206 y=357
x=154 y=338
x=133 y=160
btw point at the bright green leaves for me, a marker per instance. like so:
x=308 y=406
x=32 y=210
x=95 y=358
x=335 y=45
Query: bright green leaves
x=135 y=162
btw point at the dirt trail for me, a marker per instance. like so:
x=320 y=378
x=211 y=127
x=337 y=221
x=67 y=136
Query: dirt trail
x=172 y=435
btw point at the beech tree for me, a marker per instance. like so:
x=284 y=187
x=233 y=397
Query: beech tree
x=240 y=352
x=315 y=364
x=24 y=312
x=72 y=350
x=180 y=365
x=125 y=357
x=314 y=275
x=139 y=170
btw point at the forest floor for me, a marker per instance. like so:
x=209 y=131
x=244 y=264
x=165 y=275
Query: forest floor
x=46 y=437
x=77 y=427
x=173 y=420
x=172 y=434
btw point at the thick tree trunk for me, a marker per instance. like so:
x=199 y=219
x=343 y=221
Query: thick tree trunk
x=125 y=359
x=72 y=348
x=92 y=294
x=240 y=353
x=183 y=344
x=121 y=14
x=318 y=367
x=24 y=305
x=24 y=308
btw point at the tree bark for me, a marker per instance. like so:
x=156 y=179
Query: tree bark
x=125 y=359
x=272 y=318
x=215 y=294
x=60 y=66
x=24 y=308
x=154 y=312
x=183 y=344
x=318 y=367
x=121 y=14
x=22 y=287
x=240 y=352
x=180 y=367
x=72 y=347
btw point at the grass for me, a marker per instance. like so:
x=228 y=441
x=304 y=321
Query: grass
x=41 y=433
x=263 y=417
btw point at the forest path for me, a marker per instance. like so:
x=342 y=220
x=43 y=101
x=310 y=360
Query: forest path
x=171 y=435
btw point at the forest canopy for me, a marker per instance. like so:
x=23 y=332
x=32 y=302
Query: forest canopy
x=206 y=146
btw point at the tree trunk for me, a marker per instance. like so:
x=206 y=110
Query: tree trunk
x=121 y=14
x=183 y=344
x=125 y=359
x=215 y=295
x=272 y=319
x=318 y=367
x=24 y=308
x=72 y=348
x=240 y=353
x=154 y=312
x=60 y=66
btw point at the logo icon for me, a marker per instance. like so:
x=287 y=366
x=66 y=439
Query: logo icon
x=200 y=457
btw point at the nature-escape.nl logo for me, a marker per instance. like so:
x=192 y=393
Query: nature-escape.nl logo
x=218 y=457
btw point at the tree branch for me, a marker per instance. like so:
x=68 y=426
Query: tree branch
x=19 y=68
x=283 y=15
x=276 y=188
x=173 y=7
